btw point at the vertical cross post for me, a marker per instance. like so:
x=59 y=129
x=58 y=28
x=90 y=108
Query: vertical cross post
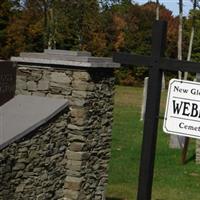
x=157 y=64
x=152 y=113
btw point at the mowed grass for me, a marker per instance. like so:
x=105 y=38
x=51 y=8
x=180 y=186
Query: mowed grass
x=172 y=180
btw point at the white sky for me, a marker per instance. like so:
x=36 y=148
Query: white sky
x=172 y=5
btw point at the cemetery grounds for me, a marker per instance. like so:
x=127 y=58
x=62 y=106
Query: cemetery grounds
x=172 y=180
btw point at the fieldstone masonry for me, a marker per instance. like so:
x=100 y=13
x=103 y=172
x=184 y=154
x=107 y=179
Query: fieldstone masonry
x=76 y=149
x=35 y=167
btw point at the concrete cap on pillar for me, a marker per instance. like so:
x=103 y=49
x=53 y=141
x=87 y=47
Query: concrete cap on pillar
x=65 y=58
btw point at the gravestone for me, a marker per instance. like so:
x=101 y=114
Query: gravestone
x=7 y=81
x=143 y=107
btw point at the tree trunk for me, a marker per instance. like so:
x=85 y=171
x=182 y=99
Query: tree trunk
x=46 y=32
x=189 y=50
x=191 y=38
x=157 y=10
x=157 y=18
x=177 y=142
x=180 y=34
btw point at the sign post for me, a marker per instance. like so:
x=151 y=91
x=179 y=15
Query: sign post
x=157 y=64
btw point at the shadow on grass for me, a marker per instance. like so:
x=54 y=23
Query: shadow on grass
x=113 y=198
x=192 y=158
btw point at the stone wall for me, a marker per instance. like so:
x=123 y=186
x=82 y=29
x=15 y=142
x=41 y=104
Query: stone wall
x=35 y=167
x=90 y=95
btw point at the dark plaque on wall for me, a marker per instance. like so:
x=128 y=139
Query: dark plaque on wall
x=7 y=81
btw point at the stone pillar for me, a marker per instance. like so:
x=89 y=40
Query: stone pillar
x=88 y=83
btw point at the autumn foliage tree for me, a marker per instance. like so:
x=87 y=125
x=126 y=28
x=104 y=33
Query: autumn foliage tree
x=24 y=30
x=99 y=26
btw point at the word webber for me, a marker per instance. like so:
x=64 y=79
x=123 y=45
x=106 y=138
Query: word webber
x=182 y=114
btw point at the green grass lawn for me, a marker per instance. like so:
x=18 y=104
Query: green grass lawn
x=172 y=180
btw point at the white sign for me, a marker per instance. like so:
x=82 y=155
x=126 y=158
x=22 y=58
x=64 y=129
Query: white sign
x=182 y=114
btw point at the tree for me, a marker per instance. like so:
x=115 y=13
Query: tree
x=24 y=32
x=8 y=8
x=195 y=55
x=5 y=6
x=75 y=26
x=63 y=24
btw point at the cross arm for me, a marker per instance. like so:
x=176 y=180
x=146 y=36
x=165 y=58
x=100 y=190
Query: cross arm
x=179 y=65
x=132 y=59
x=167 y=64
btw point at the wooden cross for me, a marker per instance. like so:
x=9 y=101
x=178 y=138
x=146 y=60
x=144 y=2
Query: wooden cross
x=157 y=64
